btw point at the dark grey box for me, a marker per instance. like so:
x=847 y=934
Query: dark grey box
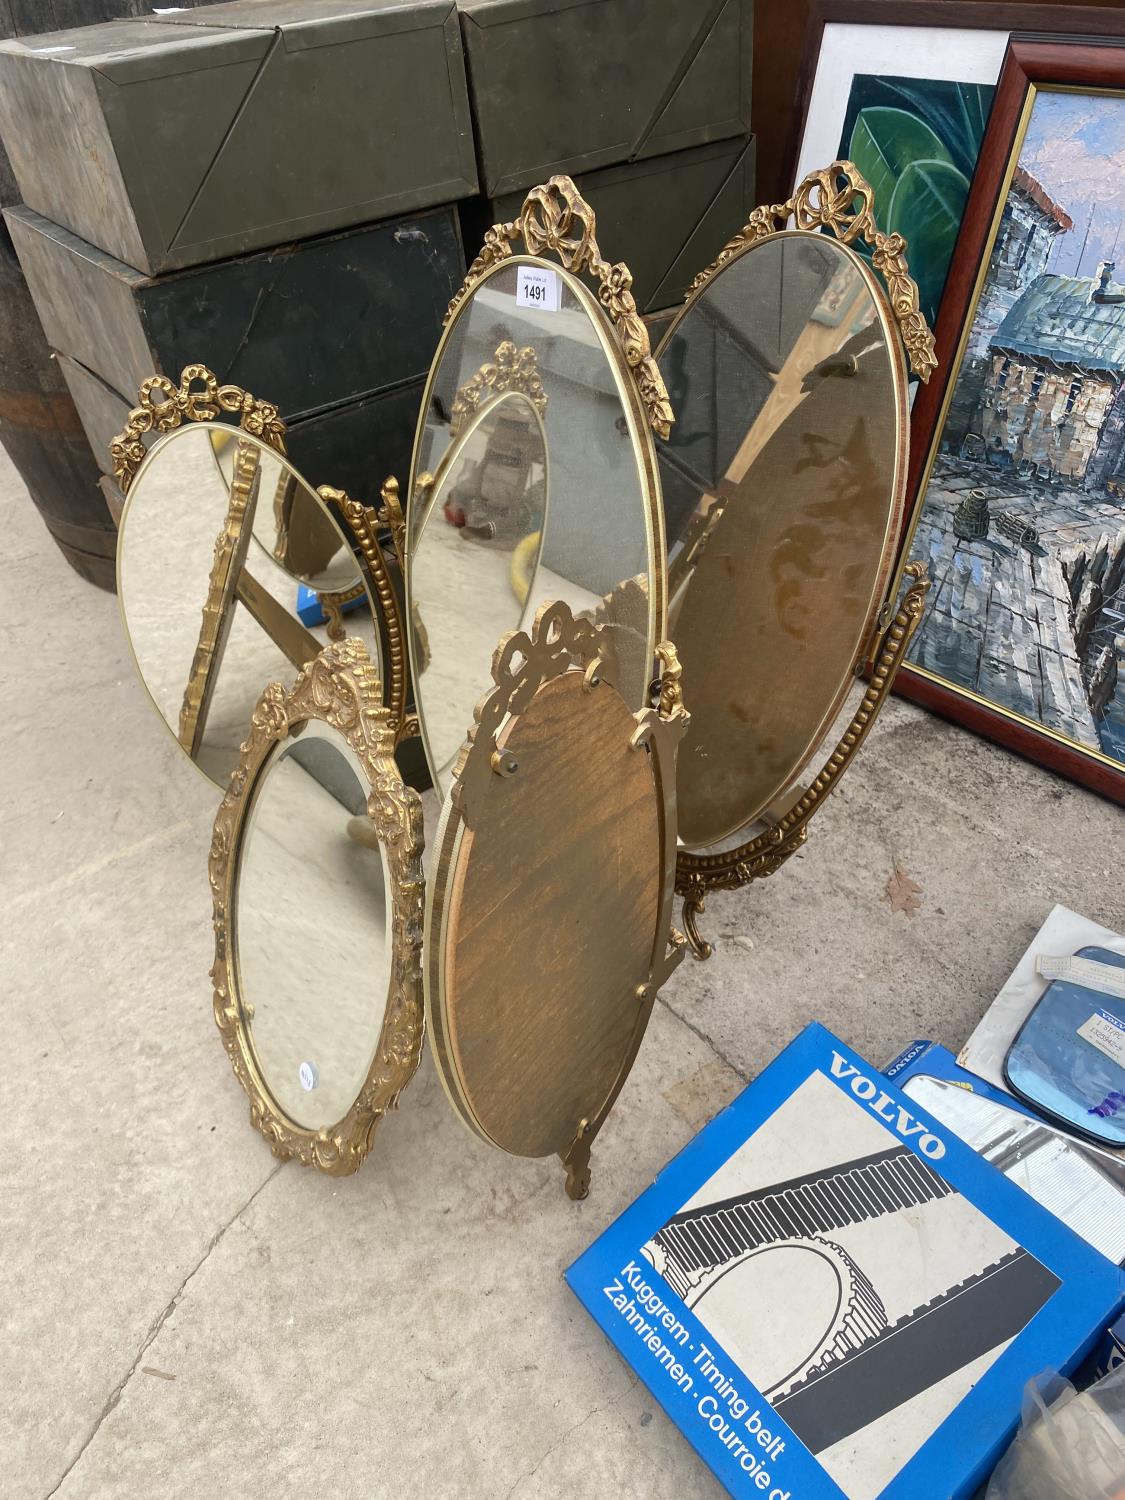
x=666 y=218
x=178 y=140
x=573 y=85
x=306 y=325
x=354 y=446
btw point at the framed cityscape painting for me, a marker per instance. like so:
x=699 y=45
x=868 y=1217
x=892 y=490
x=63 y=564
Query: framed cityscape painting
x=1018 y=462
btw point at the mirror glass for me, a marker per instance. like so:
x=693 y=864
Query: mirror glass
x=476 y=551
x=1069 y=1057
x=210 y=626
x=310 y=927
x=782 y=485
x=598 y=542
x=291 y=524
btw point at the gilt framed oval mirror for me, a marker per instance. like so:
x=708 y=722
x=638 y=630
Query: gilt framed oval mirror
x=783 y=484
x=232 y=570
x=534 y=475
x=316 y=882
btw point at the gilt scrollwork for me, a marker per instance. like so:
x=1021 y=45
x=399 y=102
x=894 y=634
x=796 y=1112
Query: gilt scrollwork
x=340 y=688
x=364 y=522
x=556 y=219
x=521 y=664
x=839 y=200
x=229 y=546
x=698 y=874
x=163 y=406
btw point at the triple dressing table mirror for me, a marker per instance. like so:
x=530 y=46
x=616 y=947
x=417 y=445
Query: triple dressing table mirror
x=541 y=607
x=232 y=569
x=783 y=482
x=549 y=704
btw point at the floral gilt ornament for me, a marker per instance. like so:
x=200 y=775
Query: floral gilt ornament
x=555 y=217
x=839 y=200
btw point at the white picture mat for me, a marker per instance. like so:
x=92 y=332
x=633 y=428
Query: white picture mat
x=948 y=53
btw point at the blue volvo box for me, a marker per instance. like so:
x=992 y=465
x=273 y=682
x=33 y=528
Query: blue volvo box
x=831 y=1295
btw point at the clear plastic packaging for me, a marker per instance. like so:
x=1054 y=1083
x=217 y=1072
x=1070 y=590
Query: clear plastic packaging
x=1070 y=1446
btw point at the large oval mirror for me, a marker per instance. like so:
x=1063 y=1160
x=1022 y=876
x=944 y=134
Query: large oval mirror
x=782 y=484
x=599 y=545
x=316 y=877
x=231 y=571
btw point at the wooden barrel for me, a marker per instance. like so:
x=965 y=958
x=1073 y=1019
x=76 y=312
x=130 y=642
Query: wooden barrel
x=40 y=429
x=39 y=426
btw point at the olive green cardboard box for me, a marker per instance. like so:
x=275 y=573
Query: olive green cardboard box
x=573 y=85
x=666 y=218
x=186 y=138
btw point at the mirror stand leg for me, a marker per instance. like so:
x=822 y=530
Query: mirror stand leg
x=576 y=1160
x=694 y=907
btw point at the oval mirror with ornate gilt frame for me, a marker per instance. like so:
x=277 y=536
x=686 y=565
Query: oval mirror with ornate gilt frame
x=317 y=889
x=522 y=324
x=548 y=913
x=783 y=485
x=232 y=569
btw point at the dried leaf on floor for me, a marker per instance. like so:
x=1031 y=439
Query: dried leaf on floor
x=903 y=893
x=160 y=1374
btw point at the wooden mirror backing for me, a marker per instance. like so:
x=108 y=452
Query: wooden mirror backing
x=548 y=916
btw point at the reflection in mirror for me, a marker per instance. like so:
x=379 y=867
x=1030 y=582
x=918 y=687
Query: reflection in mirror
x=311 y=928
x=475 y=553
x=782 y=485
x=291 y=524
x=210 y=619
x=598 y=546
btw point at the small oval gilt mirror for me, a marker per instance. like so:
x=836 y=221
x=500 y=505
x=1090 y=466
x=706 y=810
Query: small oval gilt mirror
x=317 y=884
x=551 y=496
x=783 y=482
x=231 y=571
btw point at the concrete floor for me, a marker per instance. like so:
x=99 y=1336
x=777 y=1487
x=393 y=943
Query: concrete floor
x=185 y=1317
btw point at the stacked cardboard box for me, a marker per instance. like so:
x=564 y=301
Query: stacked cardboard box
x=645 y=103
x=39 y=426
x=252 y=187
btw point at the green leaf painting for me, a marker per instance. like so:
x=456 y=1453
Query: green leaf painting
x=917 y=140
x=884 y=144
x=926 y=208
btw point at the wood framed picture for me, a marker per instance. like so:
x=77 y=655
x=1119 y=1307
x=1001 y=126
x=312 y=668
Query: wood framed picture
x=904 y=91
x=1018 y=461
